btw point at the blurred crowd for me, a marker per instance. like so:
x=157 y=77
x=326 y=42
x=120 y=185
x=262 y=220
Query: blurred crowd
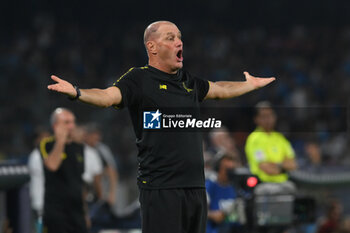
x=312 y=66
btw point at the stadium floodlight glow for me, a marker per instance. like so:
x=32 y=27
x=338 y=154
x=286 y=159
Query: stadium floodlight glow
x=252 y=182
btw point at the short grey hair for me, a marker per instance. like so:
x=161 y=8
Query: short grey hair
x=53 y=117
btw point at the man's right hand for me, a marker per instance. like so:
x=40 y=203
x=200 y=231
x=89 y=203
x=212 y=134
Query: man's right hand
x=62 y=86
x=54 y=160
x=61 y=133
x=94 y=96
x=270 y=168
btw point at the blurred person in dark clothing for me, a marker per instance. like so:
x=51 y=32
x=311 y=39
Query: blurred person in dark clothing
x=63 y=168
x=92 y=169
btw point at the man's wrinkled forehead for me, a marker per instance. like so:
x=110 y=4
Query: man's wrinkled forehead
x=168 y=29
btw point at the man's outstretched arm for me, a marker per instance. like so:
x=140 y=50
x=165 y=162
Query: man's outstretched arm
x=98 y=97
x=230 y=89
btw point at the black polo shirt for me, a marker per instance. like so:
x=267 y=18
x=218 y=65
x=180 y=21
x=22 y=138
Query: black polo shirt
x=166 y=159
x=64 y=187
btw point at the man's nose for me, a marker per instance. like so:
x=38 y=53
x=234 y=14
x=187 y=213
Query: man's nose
x=179 y=43
x=71 y=125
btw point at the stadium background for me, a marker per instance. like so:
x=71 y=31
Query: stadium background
x=306 y=45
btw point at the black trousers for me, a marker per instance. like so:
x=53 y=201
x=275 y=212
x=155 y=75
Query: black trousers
x=60 y=222
x=173 y=210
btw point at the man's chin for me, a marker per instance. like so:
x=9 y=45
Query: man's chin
x=176 y=67
x=179 y=65
x=70 y=139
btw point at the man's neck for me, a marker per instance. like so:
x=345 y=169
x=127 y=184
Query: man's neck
x=265 y=130
x=161 y=67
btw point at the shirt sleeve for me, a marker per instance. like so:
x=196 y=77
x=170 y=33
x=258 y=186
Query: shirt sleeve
x=207 y=187
x=202 y=88
x=35 y=163
x=211 y=201
x=107 y=155
x=289 y=151
x=129 y=88
x=92 y=164
x=37 y=179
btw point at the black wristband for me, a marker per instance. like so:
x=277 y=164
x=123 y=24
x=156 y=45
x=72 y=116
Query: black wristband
x=78 y=94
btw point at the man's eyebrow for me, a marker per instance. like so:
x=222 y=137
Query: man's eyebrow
x=170 y=33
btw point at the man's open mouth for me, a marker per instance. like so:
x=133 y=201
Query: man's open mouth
x=179 y=54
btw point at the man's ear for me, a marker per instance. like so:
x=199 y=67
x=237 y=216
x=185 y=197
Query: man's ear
x=152 y=47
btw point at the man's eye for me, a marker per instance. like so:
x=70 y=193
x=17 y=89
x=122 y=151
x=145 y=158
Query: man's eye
x=171 y=38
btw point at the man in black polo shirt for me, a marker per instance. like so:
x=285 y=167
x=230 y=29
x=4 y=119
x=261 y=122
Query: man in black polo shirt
x=171 y=169
x=63 y=169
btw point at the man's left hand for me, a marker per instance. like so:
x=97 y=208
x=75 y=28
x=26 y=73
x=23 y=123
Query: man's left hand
x=257 y=82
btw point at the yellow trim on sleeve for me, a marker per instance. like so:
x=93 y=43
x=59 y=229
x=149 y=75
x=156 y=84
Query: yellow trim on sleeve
x=186 y=88
x=43 y=143
x=43 y=151
x=123 y=75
